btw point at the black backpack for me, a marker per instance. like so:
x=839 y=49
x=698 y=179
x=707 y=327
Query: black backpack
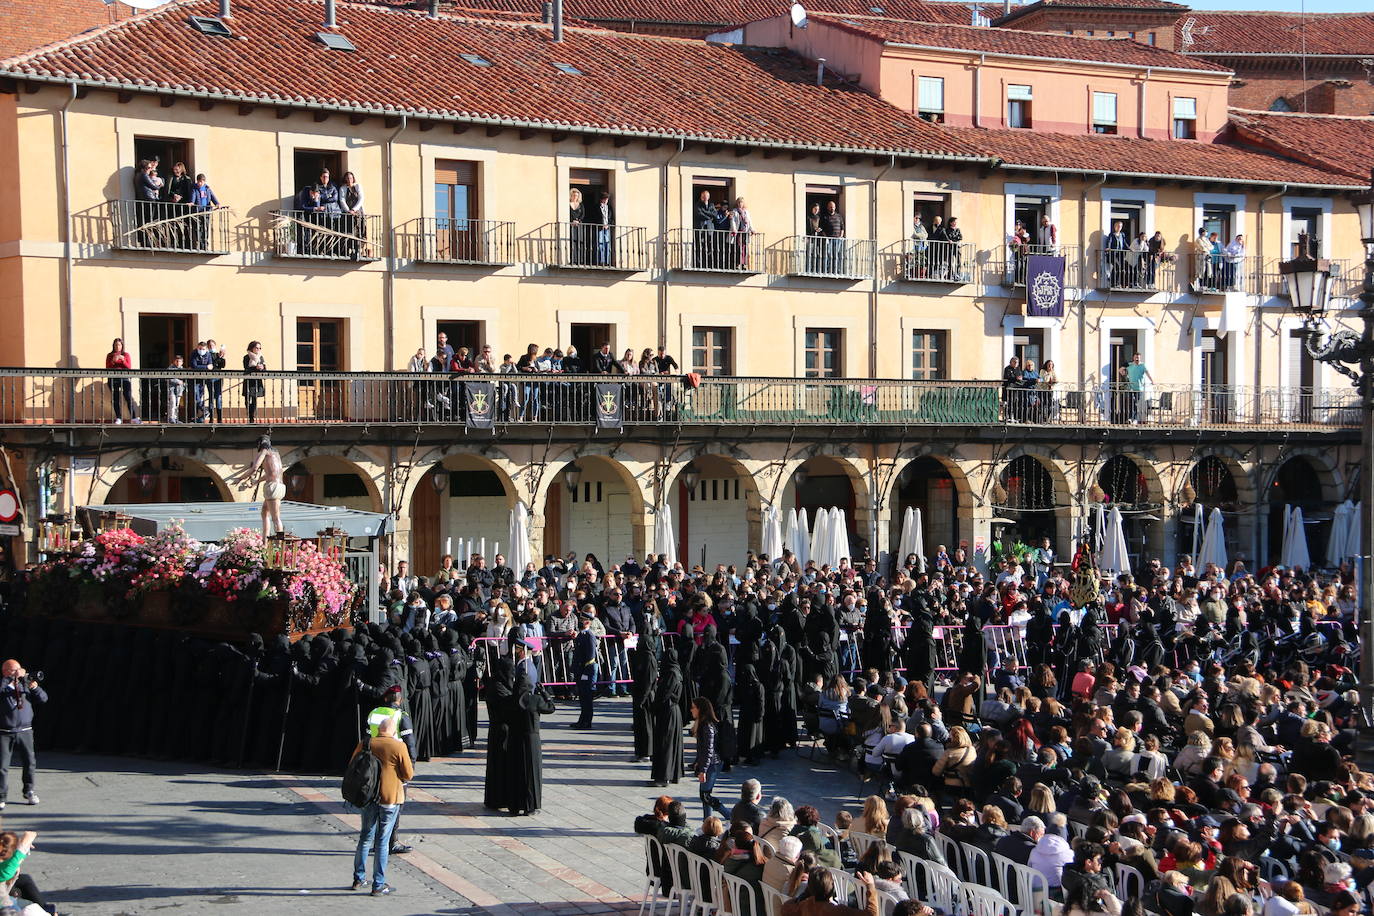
x=362 y=781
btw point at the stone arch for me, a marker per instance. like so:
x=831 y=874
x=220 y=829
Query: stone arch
x=471 y=504
x=1031 y=499
x=721 y=518
x=309 y=483
x=823 y=488
x=1131 y=482
x=940 y=487
x=1219 y=479
x=605 y=516
x=112 y=484
x=1304 y=478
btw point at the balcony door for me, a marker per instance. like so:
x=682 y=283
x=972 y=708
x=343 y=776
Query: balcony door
x=307 y=164
x=1309 y=221
x=588 y=338
x=1216 y=365
x=462 y=334
x=319 y=348
x=456 y=238
x=160 y=337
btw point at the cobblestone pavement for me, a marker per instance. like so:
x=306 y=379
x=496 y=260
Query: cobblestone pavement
x=119 y=835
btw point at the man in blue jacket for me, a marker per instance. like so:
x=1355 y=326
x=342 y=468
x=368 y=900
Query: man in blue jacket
x=202 y=360
x=19 y=693
x=619 y=623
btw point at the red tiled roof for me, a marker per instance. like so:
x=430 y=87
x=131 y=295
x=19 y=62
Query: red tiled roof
x=1278 y=33
x=1016 y=42
x=720 y=13
x=408 y=63
x=1331 y=142
x=1133 y=156
x=27 y=24
x=1131 y=5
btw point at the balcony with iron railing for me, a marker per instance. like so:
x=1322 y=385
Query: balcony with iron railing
x=154 y=225
x=716 y=251
x=586 y=246
x=1122 y=270
x=480 y=242
x=1344 y=283
x=830 y=258
x=1018 y=258
x=70 y=397
x=937 y=262
x=327 y=236
x=1217 y=274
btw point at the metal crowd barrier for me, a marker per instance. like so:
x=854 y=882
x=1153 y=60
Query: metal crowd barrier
x=553 y=657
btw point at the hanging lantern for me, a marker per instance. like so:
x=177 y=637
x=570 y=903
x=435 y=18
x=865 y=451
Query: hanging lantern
x=1188 y=494
x=999 y=494
x=1097 y=494
x=145 y=478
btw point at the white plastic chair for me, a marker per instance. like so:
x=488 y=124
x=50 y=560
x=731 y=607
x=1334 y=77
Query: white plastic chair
x=705 y=883
x=683 y=892
x=1026 y=887
x=740 y=898
x=1077 y=829
x=983 y=901
x=655 y=861
x=768 y=850
x=862 y=841
x=949 y=848
x=943 y=887
x=846 y=886
x=887 y=903
x=773 y=899
x=977 y=866
x=1129 y=882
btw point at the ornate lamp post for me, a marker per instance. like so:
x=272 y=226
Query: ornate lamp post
x=1308 y=281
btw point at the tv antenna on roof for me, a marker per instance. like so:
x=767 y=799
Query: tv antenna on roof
x=798 y=14
x=1190 y=32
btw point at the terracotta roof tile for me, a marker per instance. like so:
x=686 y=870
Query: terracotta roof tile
x=720 y=13
x=1278 y=33
x=1132 y=156
x=26 y=25
x=1337 y=144
x=407 y=62
x=1162 y=5
x=1017 y=42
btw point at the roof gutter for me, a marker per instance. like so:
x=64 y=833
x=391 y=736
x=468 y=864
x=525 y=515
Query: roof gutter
x=1259 y=318
x=485 y=121
x=1063 y=60
x=389 y=278
x=68 y=356
x=873 y=286
x=978 y=90
x=1159 y=176
x=1083 y=250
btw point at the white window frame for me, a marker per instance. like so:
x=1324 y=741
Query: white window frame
x=921 y=83
x=1052 y=327
x=1097 y=121
x=1106 y=326
x=1306 y=203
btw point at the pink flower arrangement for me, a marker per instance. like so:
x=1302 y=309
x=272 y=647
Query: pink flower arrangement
x=323 y=576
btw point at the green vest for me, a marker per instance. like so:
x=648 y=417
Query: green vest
x=381 y=714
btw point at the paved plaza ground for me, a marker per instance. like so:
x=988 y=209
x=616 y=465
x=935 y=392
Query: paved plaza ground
x=127 y=836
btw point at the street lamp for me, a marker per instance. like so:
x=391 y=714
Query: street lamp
x=691 y=475
x=439 y=480
x=572 y=475
x=146 y=478
x=1307 y=292
x=799 y=476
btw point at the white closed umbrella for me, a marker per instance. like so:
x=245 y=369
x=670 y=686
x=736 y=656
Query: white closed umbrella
x=1353 y=546
x=905 y=542
x=665 y=541
x=1213 y=548
x=519 y=534
x=789 y=536
x=1197 y=532
x=918 y=542
x=1287 y=534
x=1115 y=559
x=772 y=533
x=1298 y=555
x=1100 y=529
x=802 y=547
x=838 y=531
x=820 y=544
x=1339 y=534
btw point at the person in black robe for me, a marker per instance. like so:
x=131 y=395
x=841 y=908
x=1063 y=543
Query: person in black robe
x=459 y=663
x=643 y=676
x=666 y=705
x=420 y=698
x=877 y=646
x=749 y=632
x=329 y=696
x=781 y=679
x=499 y=691
x=1039 y=635
x=438 y=691
x=474 y=674
x=918 y=649
x=303 y=687
x=524 y=781
x=752 y=705
x=237 y=681
x=272 y=694
x=713 y=663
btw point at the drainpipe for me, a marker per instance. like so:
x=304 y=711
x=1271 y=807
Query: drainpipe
x=664 y=272
x=978 y=90
x=1259 y=309
x=1140 y=108
x=68 y=357
x=873 y=291
x=389 y=277
x=1082 y=274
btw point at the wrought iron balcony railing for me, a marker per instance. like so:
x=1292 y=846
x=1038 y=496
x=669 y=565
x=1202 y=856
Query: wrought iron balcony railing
x=327 y=236
x=488 y=242
x=73 y=397
x=1217 y=273
x=1018 y=258
x=153 y=225
x=587 y=246
x=1134 y=271
x=938 y=262
x=714 y=251
x=822 y=256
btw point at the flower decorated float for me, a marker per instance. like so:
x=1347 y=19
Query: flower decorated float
x=146 y=566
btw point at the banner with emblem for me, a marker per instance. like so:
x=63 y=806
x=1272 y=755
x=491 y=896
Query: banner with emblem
x=1045 y=286
x=610 y=411
x=480 y=404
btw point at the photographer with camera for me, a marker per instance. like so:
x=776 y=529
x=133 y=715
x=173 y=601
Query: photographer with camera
x=19 y=691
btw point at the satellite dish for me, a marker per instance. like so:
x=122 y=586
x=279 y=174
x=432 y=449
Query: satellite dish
x=798 y=16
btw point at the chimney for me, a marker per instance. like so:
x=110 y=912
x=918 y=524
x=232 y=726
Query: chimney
x=1006 y=7
x=224 y=9
x=546 y=12
x=820 y=70
x=557 y=20
x=329 y=20
x=433 y=9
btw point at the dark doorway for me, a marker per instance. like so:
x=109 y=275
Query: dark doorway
x=167 y=150
x=161 y=337
x=308 y=163
x=1296 y=483
x=925 y=484
x=462 y=334
x=1029 y=504
x=588 y=338
x=1216 y=392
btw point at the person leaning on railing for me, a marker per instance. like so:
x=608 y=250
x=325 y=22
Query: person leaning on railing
x=118 y=358
x=253 y=388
